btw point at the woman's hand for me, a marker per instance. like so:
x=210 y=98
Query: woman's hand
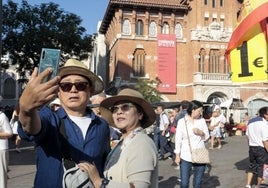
x=198 y=132
x=92 y=171
x=177 y=159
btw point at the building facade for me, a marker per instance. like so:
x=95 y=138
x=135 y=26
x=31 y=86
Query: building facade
x=201 y=31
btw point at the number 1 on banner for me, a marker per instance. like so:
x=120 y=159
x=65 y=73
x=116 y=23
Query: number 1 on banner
x=249 y=61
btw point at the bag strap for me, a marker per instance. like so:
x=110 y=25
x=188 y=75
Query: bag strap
x=188 y=135
x=65 y=147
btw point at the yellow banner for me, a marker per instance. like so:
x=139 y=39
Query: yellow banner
x=249 y=61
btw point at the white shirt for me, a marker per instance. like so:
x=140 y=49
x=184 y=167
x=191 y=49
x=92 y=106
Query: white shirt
x=181 y=137
x=4 y=127
x=82 y=122
x=163 y=120
x=257 y=131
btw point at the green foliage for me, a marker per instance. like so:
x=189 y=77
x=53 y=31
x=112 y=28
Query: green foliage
x=148 y=89
x=27 y=29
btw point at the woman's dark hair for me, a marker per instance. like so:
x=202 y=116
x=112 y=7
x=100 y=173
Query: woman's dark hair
x=193 y=105
x=263 y=111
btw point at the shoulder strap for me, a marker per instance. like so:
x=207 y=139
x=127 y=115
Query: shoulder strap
x=188 y=135
x=65 y=147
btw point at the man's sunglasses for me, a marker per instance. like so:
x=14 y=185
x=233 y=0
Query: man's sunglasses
x=67 y=86
x=124 y=107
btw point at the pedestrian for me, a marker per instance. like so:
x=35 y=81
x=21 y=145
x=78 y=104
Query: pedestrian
x=215 y=128
x=55 y=104
x=87 y=134
x=14 y=125
x=96 y=100
x=156 y=131
x=133 y=162
x=198 y=134
x=257 y=133
x=231 y=120
x=5 y=134
x=164 y=123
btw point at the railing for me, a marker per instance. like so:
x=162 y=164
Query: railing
x=216 y=78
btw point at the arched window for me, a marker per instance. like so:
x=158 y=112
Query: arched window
x=165 y=28
x=178 y=31
x=126 y=28
x=201 y=61
x=9 y=88
x=214 y=61
x=138 y=63
x=139 y=27
x=152 y=29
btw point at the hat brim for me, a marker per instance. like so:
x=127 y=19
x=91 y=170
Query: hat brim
x=149 y=114
x=95 y=80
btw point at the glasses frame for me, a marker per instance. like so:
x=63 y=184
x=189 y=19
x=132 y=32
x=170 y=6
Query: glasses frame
x=67 y=86
x=123 y=107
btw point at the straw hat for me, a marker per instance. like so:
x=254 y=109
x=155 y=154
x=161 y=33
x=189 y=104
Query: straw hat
x=132 y=96
x=73 y=66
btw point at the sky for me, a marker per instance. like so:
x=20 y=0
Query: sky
x=90 y=11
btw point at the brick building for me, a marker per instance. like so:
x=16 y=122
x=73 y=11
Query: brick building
x=201 y=31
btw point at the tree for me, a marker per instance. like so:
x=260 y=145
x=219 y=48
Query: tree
x=27 y=29
x=148 y=90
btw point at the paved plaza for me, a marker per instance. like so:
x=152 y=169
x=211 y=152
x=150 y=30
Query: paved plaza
x=227 y=168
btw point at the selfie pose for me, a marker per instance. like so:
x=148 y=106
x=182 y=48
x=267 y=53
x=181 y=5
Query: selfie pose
x=87 y=134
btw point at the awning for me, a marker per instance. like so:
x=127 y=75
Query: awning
x=233 y=103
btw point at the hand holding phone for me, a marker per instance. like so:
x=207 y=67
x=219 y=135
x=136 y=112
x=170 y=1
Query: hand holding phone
x=49 y=58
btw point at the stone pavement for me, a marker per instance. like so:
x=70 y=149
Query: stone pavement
x=227 y=168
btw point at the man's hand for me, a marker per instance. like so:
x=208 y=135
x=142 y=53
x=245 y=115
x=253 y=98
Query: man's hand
x=36 y=93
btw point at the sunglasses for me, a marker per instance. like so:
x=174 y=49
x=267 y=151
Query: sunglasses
x=124 y=107
x=67 y=86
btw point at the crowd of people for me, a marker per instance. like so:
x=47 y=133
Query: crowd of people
x=117 y=124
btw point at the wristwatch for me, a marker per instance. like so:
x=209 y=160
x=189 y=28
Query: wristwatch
x=104 y=182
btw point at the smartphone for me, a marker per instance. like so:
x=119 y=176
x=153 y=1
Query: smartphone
x=49 y=58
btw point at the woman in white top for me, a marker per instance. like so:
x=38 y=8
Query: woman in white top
x=198 y=133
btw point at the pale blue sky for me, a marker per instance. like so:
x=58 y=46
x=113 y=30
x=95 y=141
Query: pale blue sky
x=90 y=11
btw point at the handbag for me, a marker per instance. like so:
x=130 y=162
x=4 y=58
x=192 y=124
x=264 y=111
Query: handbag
x=199 y=155
x=172 y=129
x=73 y=176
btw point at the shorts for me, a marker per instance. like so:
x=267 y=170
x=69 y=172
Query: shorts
x=15 y=127
x=258 y=156
x=215 y=133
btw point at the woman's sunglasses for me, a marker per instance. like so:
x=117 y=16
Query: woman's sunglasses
x=124 y=107
x=67 y=86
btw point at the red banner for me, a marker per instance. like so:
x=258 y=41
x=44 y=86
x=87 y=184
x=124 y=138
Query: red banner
x=166 y=52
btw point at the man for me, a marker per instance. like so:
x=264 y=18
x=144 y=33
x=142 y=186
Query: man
x=257 y=133
x=163 y=127
x=86 y=133
x=5 y=133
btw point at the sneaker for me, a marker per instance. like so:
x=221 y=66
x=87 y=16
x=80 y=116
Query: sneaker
x=179 y=179
x=220 y=146
x=248 y=186
x=18 y=150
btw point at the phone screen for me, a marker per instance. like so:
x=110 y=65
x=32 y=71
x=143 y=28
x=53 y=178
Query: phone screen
x=49 y=58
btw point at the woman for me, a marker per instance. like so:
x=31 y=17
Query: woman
x=198 y=133
x=14 y=126
x=133 y=162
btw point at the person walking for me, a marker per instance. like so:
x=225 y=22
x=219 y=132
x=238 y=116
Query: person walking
x=133 y=162
x=5 y=134
x=87 y=134
x=257 y=133
x=164 y=123
x=215 y=127
x=196 y=133
x=14 y=125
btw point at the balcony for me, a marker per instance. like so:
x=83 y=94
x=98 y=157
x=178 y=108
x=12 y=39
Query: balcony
x=212 y=78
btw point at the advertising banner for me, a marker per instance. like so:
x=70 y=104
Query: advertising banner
x=166 y=53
